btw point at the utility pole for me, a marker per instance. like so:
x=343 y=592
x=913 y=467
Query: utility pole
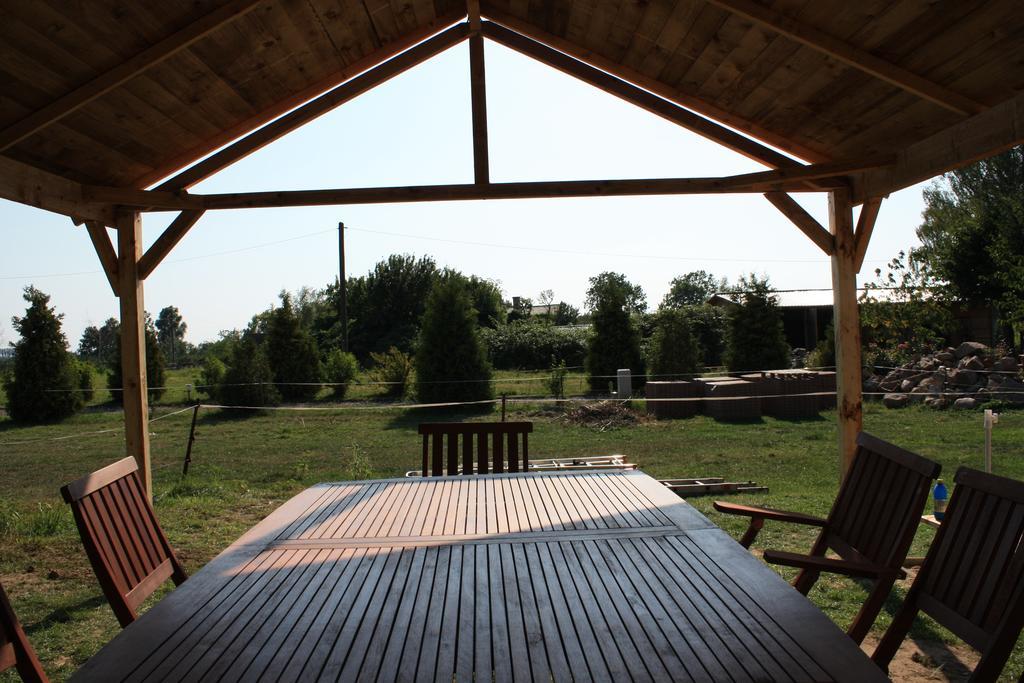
x=342 y=291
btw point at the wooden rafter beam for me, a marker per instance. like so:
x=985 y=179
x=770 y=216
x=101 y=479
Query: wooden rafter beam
x=851 y=55
x=478 y=95
x=170 y=237
x=107 y=81
x=803 y=220
x=25 y=184
x=653 y=85
x=779 y=180
x=865 y=226
x=993 y=131
x=637 y=96
x=317 y=107
x=263 y=117
x=105 y=251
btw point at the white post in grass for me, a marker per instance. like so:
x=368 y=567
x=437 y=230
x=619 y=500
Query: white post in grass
x=625 y=383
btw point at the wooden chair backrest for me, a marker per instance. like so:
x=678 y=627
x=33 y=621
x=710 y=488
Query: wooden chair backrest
x=486 y=447
x=15 y=650
x=879 y=505
x=972 y=579
x=124 y=542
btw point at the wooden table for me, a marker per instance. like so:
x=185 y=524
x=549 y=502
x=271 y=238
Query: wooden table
x=585 y=575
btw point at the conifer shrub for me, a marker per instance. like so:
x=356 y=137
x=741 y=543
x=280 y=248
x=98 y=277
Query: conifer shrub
x=756 y=339
x=248 y=380
x=392 y=370
x=292 y=353
x=340 y=369
x=614 y=344
x=450 y=361
x=44 y=384
x=674 y=352
x=211 y=377
x=156 y=367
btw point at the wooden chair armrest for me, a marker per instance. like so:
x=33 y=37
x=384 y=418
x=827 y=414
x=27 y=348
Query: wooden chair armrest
x=768 y=513
x=827 y=564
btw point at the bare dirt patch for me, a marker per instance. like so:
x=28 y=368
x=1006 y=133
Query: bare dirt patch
x=927 y=660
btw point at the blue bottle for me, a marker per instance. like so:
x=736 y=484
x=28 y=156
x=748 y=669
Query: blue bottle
x=941 y=498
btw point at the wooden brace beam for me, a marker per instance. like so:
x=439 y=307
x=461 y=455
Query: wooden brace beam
x=653 y=85
x=105 y=250
x=267 y=115
x=123 y=72
x=25 y=184
x=167 y=241
x=803 y=220
x=865 y=226
x=851 y=55
x=317 y=107
x=638 y=97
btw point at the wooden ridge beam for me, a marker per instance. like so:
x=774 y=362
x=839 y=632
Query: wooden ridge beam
x=990 y=132
x=167 y=241
x=252 y=123
x=851 y=55
x=865 y=226
x=779 y=180
x=105 y=251
x=637 y=96
x=26 y=184
x=653 y=85
x=317 y=107
x=132 y=67
x=803 y=220
x=478 y=95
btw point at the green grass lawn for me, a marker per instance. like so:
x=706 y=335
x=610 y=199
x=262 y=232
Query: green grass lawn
x=244 y=468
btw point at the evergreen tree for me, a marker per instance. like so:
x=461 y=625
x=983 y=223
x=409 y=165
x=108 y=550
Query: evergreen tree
x=248 y=380
x=450 y=349
x=156 y=368
x=756 y=339
x=615 y=342
x=674 y=351
x=44 y=385
x=292 y=354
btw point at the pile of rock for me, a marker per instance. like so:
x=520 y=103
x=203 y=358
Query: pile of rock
x=962 y=377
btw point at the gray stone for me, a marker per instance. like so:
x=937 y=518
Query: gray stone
x=895 y=400
x=965 y=403
x=907 y=385
x=1006 y=364
x=963 y=378
x=970 y=349
x=933 y=383
x=946 y=357
x=1010 y=390
x=973 y=363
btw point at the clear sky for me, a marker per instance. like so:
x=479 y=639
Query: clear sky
x=415 y=129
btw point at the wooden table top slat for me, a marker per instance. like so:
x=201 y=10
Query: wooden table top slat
x=581 y=575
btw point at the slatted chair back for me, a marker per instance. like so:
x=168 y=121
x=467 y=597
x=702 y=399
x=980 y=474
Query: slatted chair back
x=972 y=579
x=126 y=547
x=879 y=505
x=484 y=447
x=15 y=650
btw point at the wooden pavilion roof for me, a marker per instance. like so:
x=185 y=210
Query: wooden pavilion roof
x=123 y=94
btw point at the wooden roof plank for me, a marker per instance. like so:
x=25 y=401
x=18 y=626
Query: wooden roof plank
x=852 y=55
x=105 y=82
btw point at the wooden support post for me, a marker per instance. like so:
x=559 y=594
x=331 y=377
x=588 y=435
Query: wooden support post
x=133 y=345
x=847 y=326
x=478 y=96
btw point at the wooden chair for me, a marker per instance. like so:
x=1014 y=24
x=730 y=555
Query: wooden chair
x=502 y=438
x=15 y=650
x=871 y=524
x=972 y=579
x=126 y=547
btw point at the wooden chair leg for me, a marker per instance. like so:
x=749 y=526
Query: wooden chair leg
x=869 y=610
x=897 y=631
x=756 y=523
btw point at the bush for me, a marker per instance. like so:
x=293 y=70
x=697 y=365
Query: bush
x=340 y=370
x=155 y=368
x=44 y=385
x=451 y=364
x=673 y=350
x=709 y=325
x=83 y=370
x=757 y=340
x=248 y=380
x=392 y=369
x=615 y=344
x=556 y=380
x=292 y=353
x=533 y=345
x=211 y=377
x=824 y=354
